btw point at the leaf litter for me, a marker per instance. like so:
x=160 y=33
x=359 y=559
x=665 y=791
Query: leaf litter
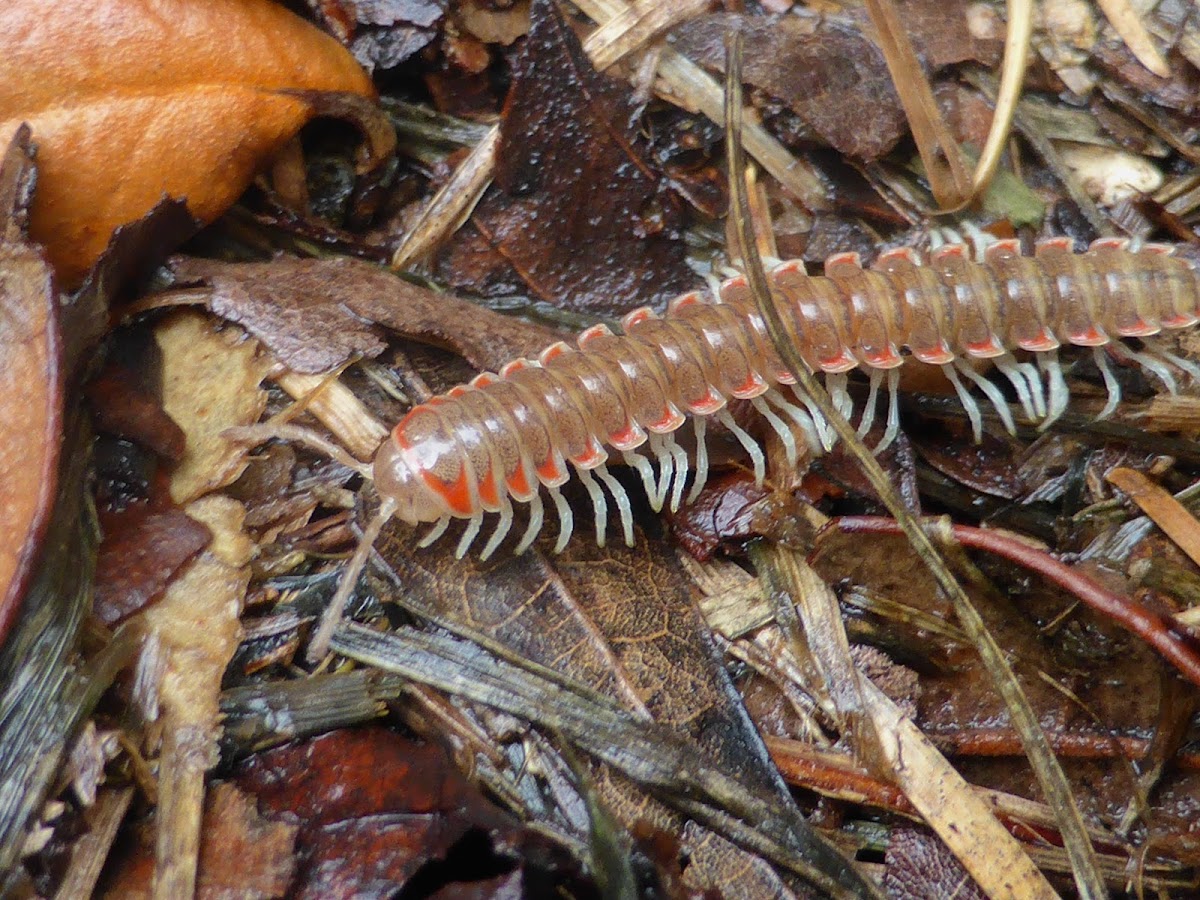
x=614 y=701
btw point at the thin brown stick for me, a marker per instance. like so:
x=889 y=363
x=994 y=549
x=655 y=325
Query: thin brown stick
x=1156 y=630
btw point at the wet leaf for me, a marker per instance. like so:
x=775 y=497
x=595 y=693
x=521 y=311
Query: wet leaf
x=373 y=807
x=577 y=217
x=142 y=552
x=919 y=865
x=154 y=98
x=831 y=76
x=314 y=314
x=30 y=385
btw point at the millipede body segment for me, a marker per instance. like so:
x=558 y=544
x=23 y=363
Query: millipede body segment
x=510 y=437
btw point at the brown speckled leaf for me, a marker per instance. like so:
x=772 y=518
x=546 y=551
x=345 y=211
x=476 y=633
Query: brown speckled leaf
x=830 y=75
x=315 y=313
x=576 y=217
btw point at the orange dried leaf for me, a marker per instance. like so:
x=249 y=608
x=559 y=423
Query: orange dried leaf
x=1164 y=510
x=133 y=99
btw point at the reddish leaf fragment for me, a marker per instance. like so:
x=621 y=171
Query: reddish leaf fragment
x=127 y=396
x=723 y=512
x=30 y=384
x=373 y=808
x=243 y=854
x=987 y=467
x=830 y=75
x=141 y=553
x=315 y=314
x=577 y=217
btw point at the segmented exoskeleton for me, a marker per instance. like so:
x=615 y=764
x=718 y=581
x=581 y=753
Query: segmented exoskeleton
x=505 y=438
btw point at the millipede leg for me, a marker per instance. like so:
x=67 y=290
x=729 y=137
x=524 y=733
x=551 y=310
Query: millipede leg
x=835 y=384
x=438 y=529
x=566 y=521
x=468 y=537
x=1110 y=382
x=826 y=436
x=599 y=504
x=536 y=517
x=802 y=419
x=968 y=402
x=666 y=469
x=780 y=428
x=681 y=471
x=868 y=413
x=1027 y=384
x=502 y=528
x=979 y=239
x=751 y=445
x=1057 y=393
x=991 y=392
x=621 y=499
x=701 y=426
x=1184 y=365
x=893 y=414
x=1151 y=364
x=646 y=471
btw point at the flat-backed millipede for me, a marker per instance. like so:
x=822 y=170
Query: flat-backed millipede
x=506 y=437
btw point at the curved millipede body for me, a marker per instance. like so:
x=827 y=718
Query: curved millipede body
x=513 y=436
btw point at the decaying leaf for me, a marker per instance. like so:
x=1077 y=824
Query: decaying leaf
x=577 y=216
x=131 y=101
x=211 y=383
x=830 y=75
x=30 y=385
x=314 y=314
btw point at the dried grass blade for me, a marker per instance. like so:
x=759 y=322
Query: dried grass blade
x=1049 y=773
x=893 y=748
x=1125 y=21
x=1164 y=510
x=944 y=164
x=1012 y=76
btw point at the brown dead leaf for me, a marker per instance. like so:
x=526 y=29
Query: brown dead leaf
x=211 y=383
x=830 y=75
x=142 y=552
x=315 y=313
x=30 y=385
x=129 y=101
x=577 y=217
x=373 y=807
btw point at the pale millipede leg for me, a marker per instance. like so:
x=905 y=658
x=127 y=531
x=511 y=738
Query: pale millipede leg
x=599 y=504
x=438 y=529
x=968 y=402
x=700 y=424
x=824 y=429
x=868 y=413
x=621 y=499
x=835 y=384
x=751 y=445
x=1031 y=401
x=566 y=521
x=666 y=468
x=780 y=428
x=502 y=529
x=1152 y=365
x=1110 y=382
x=468 y=537
x=646 y=471
x=892 y=431
x=991 y=392
x=979 y=239
x=1057 y=393
x=681 y=471
x=1184 y=365
x=802 y=419
x=536 y=517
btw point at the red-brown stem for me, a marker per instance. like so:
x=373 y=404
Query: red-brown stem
x=1005 y=742
x=1156 y=630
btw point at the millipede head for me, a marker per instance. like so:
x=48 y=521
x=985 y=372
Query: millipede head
x=398 y=481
